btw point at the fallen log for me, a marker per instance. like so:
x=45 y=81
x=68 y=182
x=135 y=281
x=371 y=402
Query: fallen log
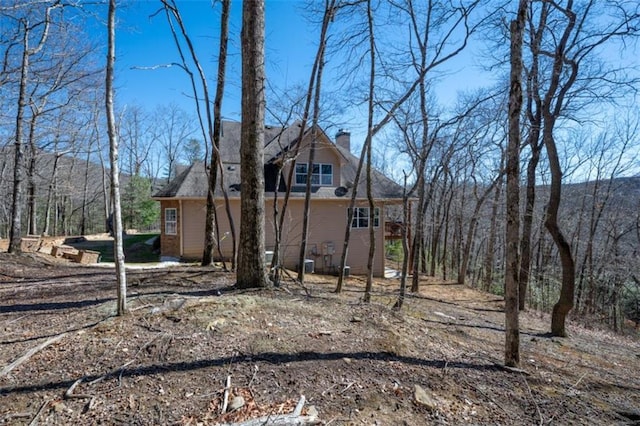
x=31 y=352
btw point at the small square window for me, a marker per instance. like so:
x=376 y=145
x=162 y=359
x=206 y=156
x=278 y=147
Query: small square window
x=322 y=174
x=361 y=218
x=171 y=221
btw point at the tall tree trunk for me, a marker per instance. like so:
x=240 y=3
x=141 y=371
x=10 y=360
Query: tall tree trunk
x=534 y=117
x=565 y=302
x=251 y=271
x=118 y=250
x=302 y=254
x=212 y=235
x=552 y=107
x=85 y=190
x=106 y=199
x=512 y=235
x=15 y=232
x=527 y=219
x=371 y=101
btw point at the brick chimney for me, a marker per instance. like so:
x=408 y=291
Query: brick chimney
x=343 y=139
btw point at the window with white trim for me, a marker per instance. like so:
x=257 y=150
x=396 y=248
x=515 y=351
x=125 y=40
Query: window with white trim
x=361 y=217
x=322 y=174
x=171 y=221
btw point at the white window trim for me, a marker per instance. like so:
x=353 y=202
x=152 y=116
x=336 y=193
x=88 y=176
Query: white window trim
x=320 y=175
x=365 y=216
x=168 y=223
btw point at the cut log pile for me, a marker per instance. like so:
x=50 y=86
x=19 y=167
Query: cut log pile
x=33 y=244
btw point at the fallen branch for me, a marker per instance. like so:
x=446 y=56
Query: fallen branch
x=69 y=395
x=120 y=370
x=534 y=401
x=112 y=372
x=512 y=369
x=449 y=317
x=295 y=418
x=34 y=420
x=296 y=281
x=10 y=416
x=31 y=352
x=225 y=399
x=255 y=372
x=347 y=388
x=575 y=385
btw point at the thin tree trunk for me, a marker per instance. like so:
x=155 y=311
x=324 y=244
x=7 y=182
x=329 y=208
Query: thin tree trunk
x=118 y=251
x=212 y=233
x=50 y=194
x=468 y=243
x=85 y=192
x=534 y=116
x=527 y=220
x=318 y=69
x=406 y=208
x=372 y=232
x=31 y=176
x=489 y=257
x=302 y=254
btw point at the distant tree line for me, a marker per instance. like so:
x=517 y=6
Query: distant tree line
x=53 y=139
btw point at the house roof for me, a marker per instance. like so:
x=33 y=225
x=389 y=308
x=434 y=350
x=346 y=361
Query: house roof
x=192 y=182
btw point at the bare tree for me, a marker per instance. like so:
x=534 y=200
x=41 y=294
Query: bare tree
x=210 y=124
x=571 y=37
x=41 y=27
x=135 y=128
x=211 y=228
x=118 y=251
x=172 y=128
x=329 y=11
x=512 y=238
x=445 y=23
x=250 y=270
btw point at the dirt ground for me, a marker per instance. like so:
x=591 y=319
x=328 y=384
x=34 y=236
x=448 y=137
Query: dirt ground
x=66 y=359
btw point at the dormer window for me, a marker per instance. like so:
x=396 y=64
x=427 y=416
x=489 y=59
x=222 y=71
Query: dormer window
x=322 y=174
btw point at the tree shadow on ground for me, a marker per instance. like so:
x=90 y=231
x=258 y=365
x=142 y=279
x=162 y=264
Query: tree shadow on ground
x=128 y=370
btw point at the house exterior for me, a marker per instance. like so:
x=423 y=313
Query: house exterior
x=183 y=202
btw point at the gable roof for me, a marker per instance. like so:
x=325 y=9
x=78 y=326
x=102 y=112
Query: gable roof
x=192 y=183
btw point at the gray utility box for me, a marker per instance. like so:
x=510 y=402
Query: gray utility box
x=309 y=266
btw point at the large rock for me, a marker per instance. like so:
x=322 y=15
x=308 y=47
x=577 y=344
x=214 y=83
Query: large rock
x=423 y=398
x=236 y=403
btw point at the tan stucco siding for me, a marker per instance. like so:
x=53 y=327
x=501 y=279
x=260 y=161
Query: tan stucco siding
x=170 y=244
x=226 y=241
x=193 y=225
x=325 y=154
x=327 y=223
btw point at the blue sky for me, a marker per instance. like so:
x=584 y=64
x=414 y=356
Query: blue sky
x=144 y=41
